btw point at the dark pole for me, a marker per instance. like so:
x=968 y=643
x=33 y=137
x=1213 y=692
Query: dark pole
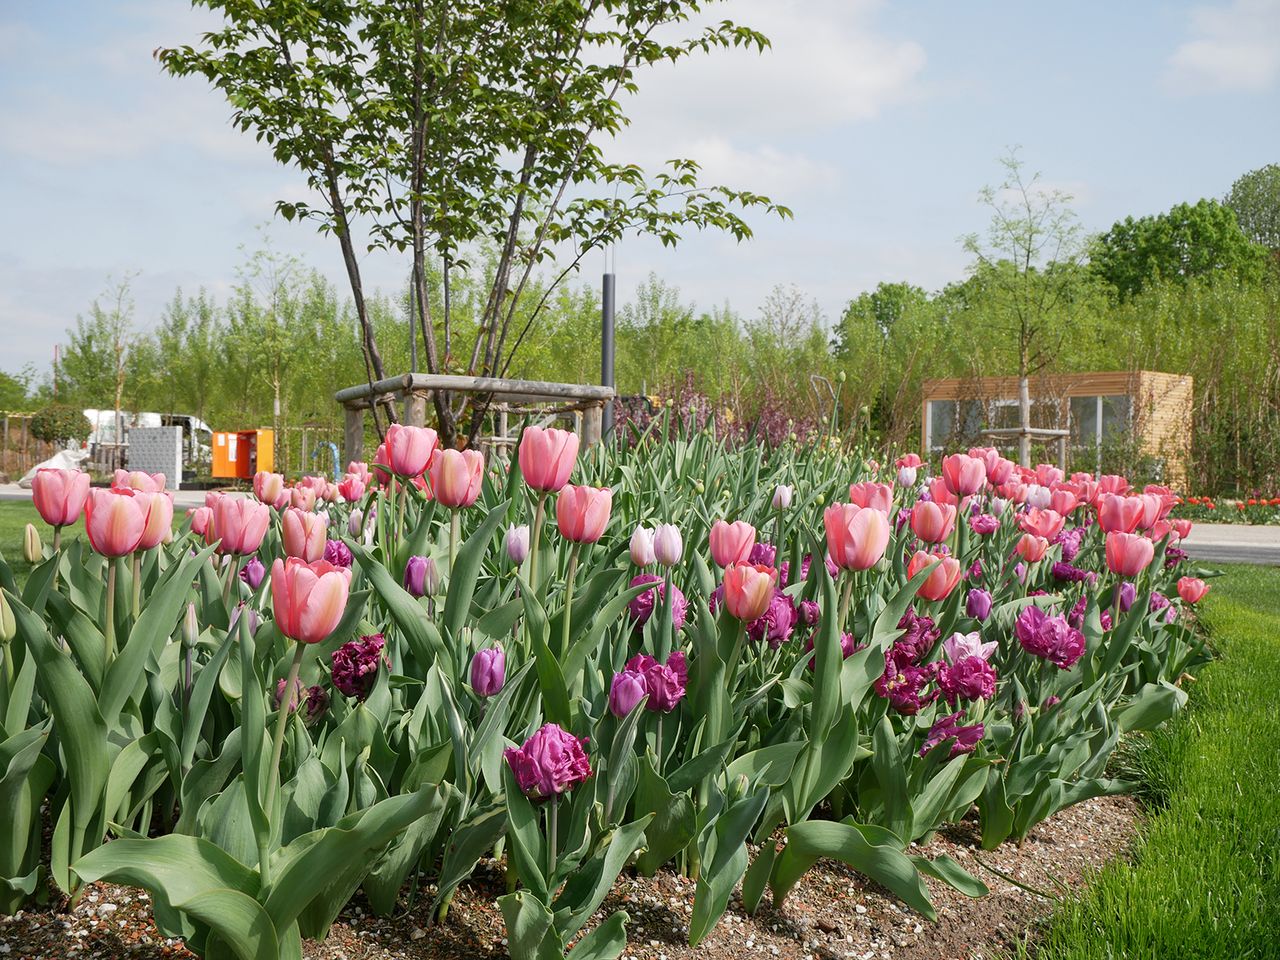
x=606 y=346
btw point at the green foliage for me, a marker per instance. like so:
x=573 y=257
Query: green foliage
x=1191 y=240
x=60 y=424
x=1201 y=883
x=1255 y=200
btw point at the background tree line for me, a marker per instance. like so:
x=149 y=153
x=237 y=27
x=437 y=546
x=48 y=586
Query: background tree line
x=1194 y=290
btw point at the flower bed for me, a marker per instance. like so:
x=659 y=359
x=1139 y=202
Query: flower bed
x=342 y=687
x=1260 y=510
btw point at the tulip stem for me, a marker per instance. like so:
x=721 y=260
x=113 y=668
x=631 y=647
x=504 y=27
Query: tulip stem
x=845 y=599
x=553 y=823
x=666 y=626
x=57 y=549
x=137 y=583
x=109 y=634
x=568 y=598
x=233 y=564
x=455 y=531
x=282 y=720
x=536 y=539
x=401 y=498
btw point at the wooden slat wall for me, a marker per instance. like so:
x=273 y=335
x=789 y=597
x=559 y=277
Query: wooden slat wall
x=1109 y=383
x=1165 y=412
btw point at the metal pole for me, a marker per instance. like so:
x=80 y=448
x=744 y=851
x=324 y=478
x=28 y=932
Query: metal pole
x=607 y=345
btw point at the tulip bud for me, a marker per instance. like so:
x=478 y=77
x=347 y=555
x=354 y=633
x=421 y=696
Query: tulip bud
x=627 y=689
x=841 y=377
x=517 y=543
x=907 y=476
x=668 y=545
x=488 y=671
x=190 y=627
x=782 y=497
x=978 y=604
x=422 y=577
x=699 y=487
x=354 y=522
x=8 y=626
x=32 y=551
x=642 y=547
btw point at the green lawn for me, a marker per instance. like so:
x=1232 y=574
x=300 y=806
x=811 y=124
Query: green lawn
x=1204 y=880
x=14 y=516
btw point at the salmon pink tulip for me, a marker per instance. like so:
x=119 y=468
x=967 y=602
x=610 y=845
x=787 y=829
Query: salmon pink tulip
x=1063 y=501
x=269 y=488
x=1118 y=513
x=59 y=495
x=308 y=599
x=159 y=528
x=546 y=457
x=933 y=522
x=748 y=589
x=1031 y=548
x=731 y=542
x=352 y=487
x=856 y=536
x=1128 y=554
x=456 y=476
x=380 y=462
x=304 y=534
x=1192 y=589
x=239 y=525
x=1043 y=523
x=201 y=520
x=938 y=584
x=582 y=513
x=115 y=521
x=409 y=449
x=963 y=475
x=1182 y=528
x=877 y=496
x=138 y=480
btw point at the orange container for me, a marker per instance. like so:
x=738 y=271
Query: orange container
x=239 y=454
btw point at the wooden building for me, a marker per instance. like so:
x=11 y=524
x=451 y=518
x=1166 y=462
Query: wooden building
x=1112 y=418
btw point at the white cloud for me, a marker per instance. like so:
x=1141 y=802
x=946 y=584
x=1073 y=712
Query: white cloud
x=1232 y=48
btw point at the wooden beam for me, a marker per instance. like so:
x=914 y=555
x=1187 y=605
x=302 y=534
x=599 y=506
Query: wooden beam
x=353 y=435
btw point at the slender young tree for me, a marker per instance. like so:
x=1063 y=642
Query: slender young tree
x=1029 y=259
x=442 y=127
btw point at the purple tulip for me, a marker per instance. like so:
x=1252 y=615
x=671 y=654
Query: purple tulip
x=338 y=553
x=549 y=763
x=970 y=678
x=777 y=622
x=978 y=605
x=517 y=543
x=1050 y=638
x=355 y=665
x=627 y=689
x=642 y=605
x=422 y=577
x=984 y=524
x=488 y=671
x=253 y=572
x=1126 y=594
x=947 y=728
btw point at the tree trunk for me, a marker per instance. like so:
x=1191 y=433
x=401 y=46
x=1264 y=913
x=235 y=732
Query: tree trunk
x=1024 y=410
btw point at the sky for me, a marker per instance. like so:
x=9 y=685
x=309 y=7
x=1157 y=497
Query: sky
x=877 y=123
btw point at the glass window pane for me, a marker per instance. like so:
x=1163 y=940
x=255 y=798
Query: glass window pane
x=942 y=421
x=1084 y=421
x=972 y=419
x=1115 y=415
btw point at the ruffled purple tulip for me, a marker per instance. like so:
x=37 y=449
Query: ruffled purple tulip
x=338 y=553
x=777 y=623
x=551 y=762
x=919 y=635
x=1051 y=638
x=902 y=684
x=355 y=665
x=763 y=553
x=665 y=683
x=970 y=678
x=488 y=671
x=643 y=604
x=965 y=739
x=984 y=524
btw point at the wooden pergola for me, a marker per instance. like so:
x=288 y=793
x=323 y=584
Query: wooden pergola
x=510 y=398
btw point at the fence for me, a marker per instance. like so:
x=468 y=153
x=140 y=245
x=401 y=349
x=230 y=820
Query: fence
x=19 y=450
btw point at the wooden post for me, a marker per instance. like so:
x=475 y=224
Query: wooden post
x=353 y=434
x=415 y=410
x=592 y=424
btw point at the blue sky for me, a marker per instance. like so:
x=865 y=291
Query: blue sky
x=876 y=122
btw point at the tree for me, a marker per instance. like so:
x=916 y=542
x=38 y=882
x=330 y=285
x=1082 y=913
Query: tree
x=1255 y=200
x=15 y=389
x=1191 y=240
x=880 y=308
x=440 y=126
x=95 y=366
x=1028 y=261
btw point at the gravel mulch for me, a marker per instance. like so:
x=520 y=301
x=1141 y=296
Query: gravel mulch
x=832 y=913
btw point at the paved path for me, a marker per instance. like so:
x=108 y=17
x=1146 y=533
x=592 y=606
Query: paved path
x=1234 y=543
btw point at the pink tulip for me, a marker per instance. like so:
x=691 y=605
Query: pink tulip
x=1152 y=510
x=939 y=493
x=748 y=589
x=582 y=513
x=1031 y=548
x=239 y=525
x=1128 y=554
x=932 y=522
x=269 y=487
x=201 y=520
x=1047 y=474
x=1118 y=513
x=409 y=449
x=159 y=527
x=1000 y=471
x=352 y=487
x=1192 y=589
x=546 y=457
x=380 y=462
x=456 y=476
x=303 y=498
x=963 y=475
x=304 y=534
x=137 y=480
x=59 y=495
x=1046 y=524
x=938 y=584
x=877 y=496
x=115 y=521
x=731 y=542
x=1182 y=528
x=909 y=460
x=856 y=536
x=1111 y=483
x=1063 y=500
x=308 y=599
x=360 y=469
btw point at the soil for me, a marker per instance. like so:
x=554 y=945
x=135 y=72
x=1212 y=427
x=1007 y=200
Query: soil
x=832 y=913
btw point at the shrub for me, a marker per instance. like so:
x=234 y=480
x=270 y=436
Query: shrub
x=59 y=423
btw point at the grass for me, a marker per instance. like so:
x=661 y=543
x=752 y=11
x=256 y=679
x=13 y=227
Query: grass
x=14 y=517
x=1204 y=880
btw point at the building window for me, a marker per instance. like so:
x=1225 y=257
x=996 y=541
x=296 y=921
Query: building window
x=1097 y=420
x=942 y=423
